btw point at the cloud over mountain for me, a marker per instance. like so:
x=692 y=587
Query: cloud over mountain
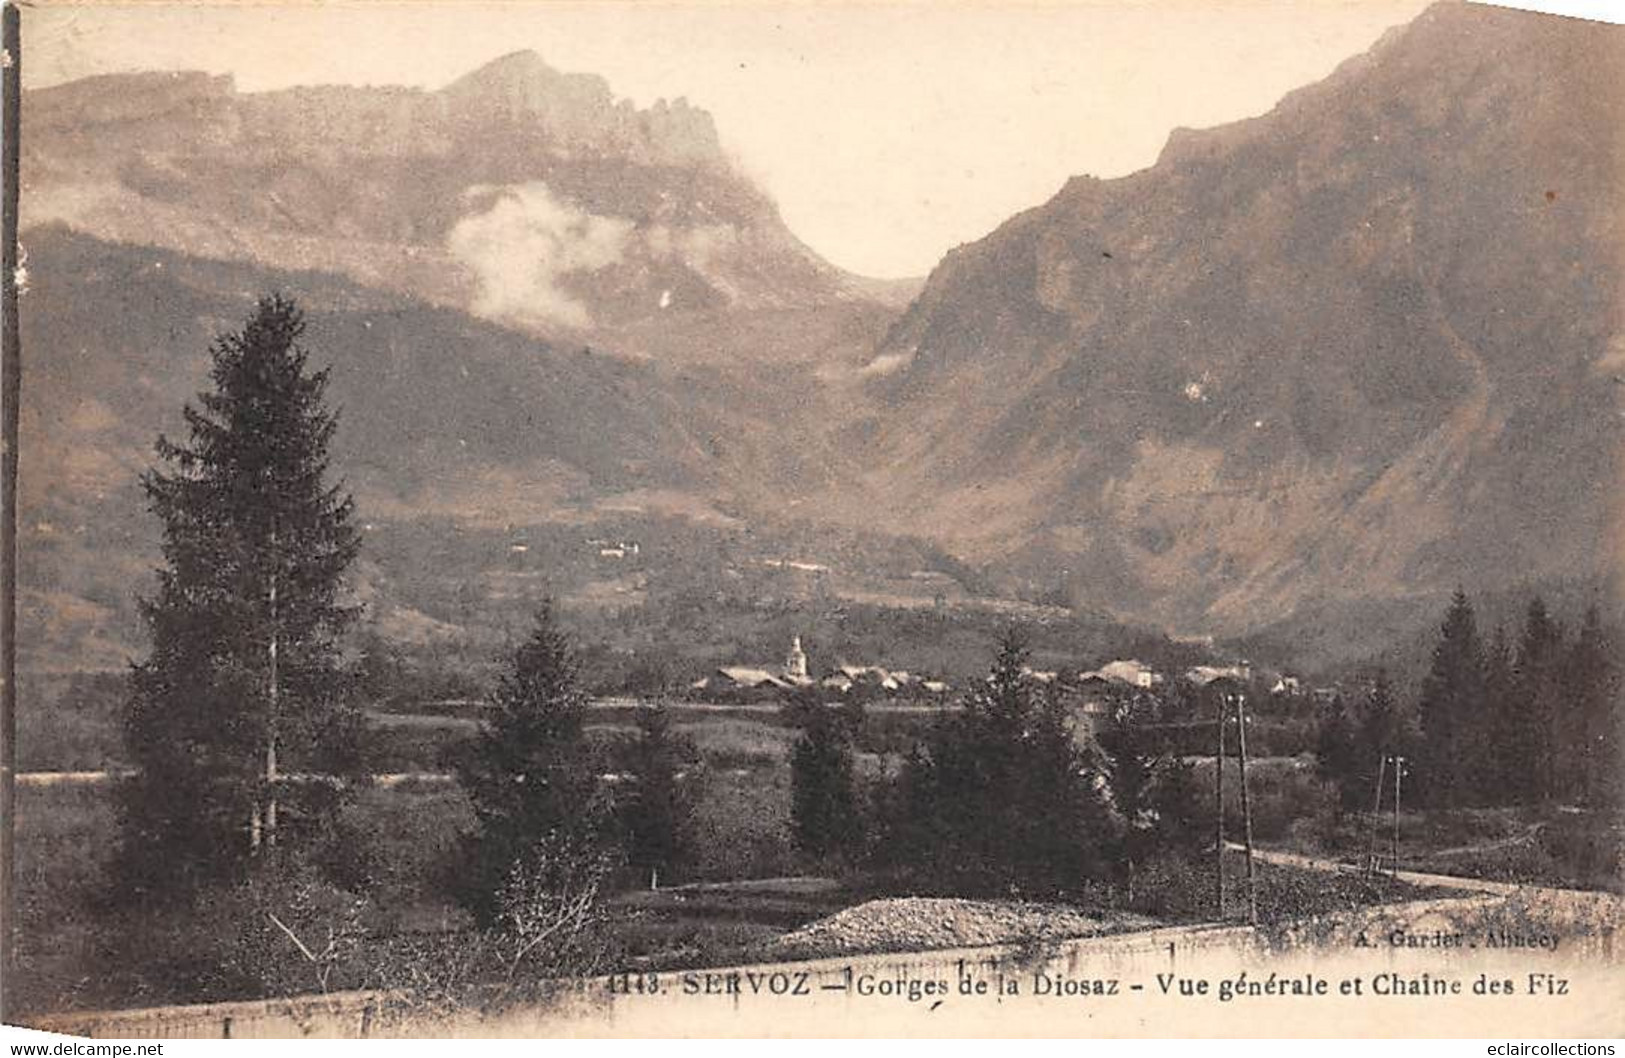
x=521 y=242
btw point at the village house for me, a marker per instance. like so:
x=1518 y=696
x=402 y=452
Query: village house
x=1202 y=675
x=1126 y=672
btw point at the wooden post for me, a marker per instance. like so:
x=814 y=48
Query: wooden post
x=1371 y=860
x=1246 y=810
x=1218 y=813
x=11 y=376
x=1399 y=766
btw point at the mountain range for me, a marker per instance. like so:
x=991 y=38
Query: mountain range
x=1364 y=347
x=1309 y=370
x=527 y=196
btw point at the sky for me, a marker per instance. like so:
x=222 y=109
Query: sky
x=887 y=132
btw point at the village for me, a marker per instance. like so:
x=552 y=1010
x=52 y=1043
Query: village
x=1099 y=691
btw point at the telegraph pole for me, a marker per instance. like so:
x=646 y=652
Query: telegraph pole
x=1246 y=810
x=1218 y=812
x=1372 y=863
x=1399 y=767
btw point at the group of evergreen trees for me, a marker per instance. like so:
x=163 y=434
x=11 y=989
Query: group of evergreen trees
x=1000 y=797
x=551 y=834
x=1497 y=722
x=244 y=721
x=1355 y=745
x=1534 y=721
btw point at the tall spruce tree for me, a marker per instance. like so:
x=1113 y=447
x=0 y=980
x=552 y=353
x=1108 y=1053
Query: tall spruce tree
x=529 y=774
x=1538 y=686
x=658 y=807
x=1499 y=756
x=244 y=684
x=1452 y=705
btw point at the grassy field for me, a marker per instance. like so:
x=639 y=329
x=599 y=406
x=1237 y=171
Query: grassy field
x=64 y=838
x=728 y=738
x=405 y=836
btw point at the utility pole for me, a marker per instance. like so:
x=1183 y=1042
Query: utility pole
x=1399 y=767
x=1218 y=812
x=1246 y=810
x=1372 y=863
x=11 y=376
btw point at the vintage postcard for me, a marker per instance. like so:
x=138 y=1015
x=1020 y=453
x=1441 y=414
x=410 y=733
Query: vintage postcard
x=797 y=519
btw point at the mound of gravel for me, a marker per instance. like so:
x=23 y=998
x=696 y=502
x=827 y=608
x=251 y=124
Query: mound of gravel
x=916 y=923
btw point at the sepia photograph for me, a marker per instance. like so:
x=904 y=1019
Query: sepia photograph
x=785 y=519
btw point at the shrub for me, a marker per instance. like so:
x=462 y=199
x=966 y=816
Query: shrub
x=549 y=922
x=283 y=930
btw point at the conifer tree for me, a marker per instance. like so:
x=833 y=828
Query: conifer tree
x=243 y=685
x=656 y=811
x=1382 y=729
x=1537 y=682
x=1337 y=752
x=825 y=809
x=529 y=774
x=1499 y=756
x=1451 y=705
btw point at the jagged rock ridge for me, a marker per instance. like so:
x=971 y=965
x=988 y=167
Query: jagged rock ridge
x=532 y=197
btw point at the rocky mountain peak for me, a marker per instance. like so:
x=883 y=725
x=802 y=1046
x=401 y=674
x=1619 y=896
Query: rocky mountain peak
x=522 y=82
x=578 y=113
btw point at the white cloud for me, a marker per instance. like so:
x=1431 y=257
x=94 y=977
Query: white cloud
x=523 y=243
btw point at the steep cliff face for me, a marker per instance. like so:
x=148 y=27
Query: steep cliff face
x=1365 y=345
x=531 y=197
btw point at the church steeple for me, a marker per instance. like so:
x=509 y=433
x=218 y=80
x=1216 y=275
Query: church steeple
x=795 y=665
